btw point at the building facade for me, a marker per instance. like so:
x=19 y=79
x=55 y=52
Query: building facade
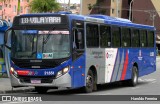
x=86 y=6
x=8 y=9
x=148 y=14
x=107 y=7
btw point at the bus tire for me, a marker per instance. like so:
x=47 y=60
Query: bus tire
x=89 y=82
x=134 y=78
x=41 y=90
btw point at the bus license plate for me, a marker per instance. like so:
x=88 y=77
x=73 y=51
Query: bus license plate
x=35 y=81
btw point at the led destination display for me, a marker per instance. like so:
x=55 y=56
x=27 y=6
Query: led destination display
x=40 y=20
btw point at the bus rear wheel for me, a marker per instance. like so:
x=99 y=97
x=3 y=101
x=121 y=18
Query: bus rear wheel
x=89 y=82
x=41 y=90
x=134 y=79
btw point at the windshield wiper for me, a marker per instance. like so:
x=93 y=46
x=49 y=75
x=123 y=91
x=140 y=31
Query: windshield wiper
x=34 y=52
x=48 y=36
x=46 y=40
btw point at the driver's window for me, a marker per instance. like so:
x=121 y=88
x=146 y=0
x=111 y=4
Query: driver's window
x=79 y=39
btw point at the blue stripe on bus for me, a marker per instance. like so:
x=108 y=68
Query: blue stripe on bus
x=121 y=66
x=115 y=69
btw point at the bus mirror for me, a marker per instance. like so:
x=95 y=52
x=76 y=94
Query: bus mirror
x=7 y=38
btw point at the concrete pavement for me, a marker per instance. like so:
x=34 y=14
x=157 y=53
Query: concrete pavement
x=5 y=87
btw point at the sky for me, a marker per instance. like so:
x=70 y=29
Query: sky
x=72 y=1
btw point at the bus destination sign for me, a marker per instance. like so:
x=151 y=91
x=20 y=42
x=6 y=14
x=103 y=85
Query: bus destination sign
x=40 y=20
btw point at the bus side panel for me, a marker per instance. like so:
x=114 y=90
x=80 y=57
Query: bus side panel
x=123 y=62
x=123 y=66
x=95 y=58
x=148 y=61
x=145 y=58
x=113 y=54
x=127 y=67
x=134 y=56
x=78 y=72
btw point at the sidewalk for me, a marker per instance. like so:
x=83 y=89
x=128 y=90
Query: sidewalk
x=5 y=87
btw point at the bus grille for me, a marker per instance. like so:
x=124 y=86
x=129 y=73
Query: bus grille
x=43 y=80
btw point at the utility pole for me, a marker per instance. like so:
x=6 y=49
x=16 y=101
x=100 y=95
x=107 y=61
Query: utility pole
x=2 y=14
x=117 y=7
x=69 y=2
x=152 y=14
x=130 y=10
x=81 y=7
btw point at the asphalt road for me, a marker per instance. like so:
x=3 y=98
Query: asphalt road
x=148 y=85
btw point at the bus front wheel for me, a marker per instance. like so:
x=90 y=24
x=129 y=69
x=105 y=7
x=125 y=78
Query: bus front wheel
x=41 y=90
x=89 y=82
x=134 y=79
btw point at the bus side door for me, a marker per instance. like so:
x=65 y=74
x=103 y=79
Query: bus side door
x=7 y=50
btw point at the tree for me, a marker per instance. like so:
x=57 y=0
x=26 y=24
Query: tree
x=38 y=6
x=18 y=8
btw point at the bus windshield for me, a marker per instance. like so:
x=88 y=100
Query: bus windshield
x=40 y=44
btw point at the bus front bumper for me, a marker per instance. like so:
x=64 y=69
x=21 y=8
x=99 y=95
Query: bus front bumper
x=63 y=81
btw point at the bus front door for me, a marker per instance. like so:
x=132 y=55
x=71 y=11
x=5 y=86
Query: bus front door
x=7 y=50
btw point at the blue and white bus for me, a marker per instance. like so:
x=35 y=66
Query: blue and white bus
x=74 y=51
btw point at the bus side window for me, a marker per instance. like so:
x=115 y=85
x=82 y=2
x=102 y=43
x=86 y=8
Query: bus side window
x=92 y=35
x=105 y=33
x=116 y=36
x=126 y=37
x=135 y=38
x=150 y=39
x=143 y=34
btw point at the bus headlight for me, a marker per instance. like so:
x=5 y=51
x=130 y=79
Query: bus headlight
x=12 y=71
x=62 y=72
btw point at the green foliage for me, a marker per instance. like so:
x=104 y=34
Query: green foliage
x=90 y=6
x=38 y=6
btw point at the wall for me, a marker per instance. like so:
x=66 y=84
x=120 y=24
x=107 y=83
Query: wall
x=143 y=14
x=84 y=5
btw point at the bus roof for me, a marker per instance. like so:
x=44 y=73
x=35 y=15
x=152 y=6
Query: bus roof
x=110 y=20
x=96 y=18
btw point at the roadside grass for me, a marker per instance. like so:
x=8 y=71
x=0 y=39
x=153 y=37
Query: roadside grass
x=4 y=75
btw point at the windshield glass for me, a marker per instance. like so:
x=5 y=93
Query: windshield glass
x=40 y=44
